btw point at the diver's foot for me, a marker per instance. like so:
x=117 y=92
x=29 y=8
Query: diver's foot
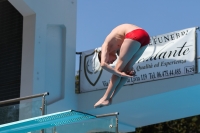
x=101 y=103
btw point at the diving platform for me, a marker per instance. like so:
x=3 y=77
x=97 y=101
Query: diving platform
x=60 y=119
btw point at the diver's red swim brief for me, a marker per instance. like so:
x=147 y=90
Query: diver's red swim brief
x=139 y=35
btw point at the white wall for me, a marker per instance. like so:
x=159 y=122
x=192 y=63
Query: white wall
x=149 y=103
x=49 y=44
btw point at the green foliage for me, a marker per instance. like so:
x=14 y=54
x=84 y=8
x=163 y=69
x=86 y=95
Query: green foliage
x=186 y=125
x=77 y=83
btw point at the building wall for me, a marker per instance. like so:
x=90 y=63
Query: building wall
x=48 y=57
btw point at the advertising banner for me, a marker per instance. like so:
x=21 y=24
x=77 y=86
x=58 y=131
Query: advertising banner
x=168 y=55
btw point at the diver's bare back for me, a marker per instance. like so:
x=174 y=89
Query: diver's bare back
x=115 y=39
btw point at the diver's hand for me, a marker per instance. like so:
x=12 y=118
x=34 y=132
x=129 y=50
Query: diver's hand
x=131 y=73
x=124 y=75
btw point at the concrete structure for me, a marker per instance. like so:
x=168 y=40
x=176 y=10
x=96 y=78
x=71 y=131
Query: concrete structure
x=48 y=64
x=49 y=44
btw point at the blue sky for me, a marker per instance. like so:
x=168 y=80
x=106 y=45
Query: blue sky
x=96 y=18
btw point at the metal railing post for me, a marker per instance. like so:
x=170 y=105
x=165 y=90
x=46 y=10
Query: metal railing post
x=43 y=104
x=111 y=114
x=54 y=130
x=116 y=124
x=43 y=107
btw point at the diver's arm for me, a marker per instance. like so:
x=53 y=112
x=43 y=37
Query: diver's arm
x=105 y=61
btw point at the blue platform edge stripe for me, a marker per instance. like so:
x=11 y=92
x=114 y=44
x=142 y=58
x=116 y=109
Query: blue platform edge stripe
x=45 y=121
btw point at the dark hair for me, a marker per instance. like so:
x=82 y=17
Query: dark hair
x=99 y=56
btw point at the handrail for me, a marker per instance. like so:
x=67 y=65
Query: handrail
x=78 y=52
x=106 y=115
x=23 y=98
x=29 y=97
